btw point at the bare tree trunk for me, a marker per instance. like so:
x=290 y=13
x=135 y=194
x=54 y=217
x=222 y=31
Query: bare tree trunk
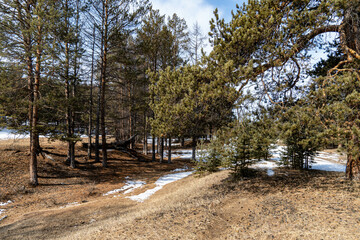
x=35 y=135
x=68 y=112
x=161 y=150
x=153 y=149
x=97 y=128
x=145 y=147
x=73 y=90
x=31 y=94
x=169 y=151
x=353 y=168
x=91 y=94
x=353 y=163
x=130 y=129
x=158 y=144
x=103 y=85
x=193 y=157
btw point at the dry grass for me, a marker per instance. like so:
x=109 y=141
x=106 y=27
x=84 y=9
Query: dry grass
x=289 y=205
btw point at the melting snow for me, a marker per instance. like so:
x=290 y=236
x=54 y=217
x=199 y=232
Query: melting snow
x=5 y=203
x=128 y=188
x=2 y=211
x=325 y=165
x=269 y=166
x=186 y=168
x=183 y=154
x=2 y=218
x=160 y=183
x=71 y=205
x=6 y=134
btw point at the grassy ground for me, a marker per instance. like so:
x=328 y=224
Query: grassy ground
x=288 y=205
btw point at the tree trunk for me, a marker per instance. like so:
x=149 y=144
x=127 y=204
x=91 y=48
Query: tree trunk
x=193 y=157
x=157 y=145
x=31 y=95
x=169 y=151
x=34 y=131
x=103 y=85
x=130 y=128
x=153 y=149
x=161 y=150
x=97 y=128
x=182 y=142
x=91 y=94
x=353 y=168
x=145 y=148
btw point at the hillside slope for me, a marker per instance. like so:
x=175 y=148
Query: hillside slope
x=288 y=205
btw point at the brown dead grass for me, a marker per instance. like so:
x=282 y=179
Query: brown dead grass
x=59 y=184
x=289 y=205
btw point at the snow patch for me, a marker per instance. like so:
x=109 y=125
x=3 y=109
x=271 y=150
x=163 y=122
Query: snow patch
x=323 y=161
x=269 y=166
x=128 y=188
x=160 y=183
x=6 y=134
x=185 y=168
x=324 y=165
x=71 y=205
x=2 y=218
x=5 y=203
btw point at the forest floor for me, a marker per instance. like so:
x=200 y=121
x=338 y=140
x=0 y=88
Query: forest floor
x=72 y=203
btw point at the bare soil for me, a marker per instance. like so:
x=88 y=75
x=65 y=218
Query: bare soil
x=289 y=205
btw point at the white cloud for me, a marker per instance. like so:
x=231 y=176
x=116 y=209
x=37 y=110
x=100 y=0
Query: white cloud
x=191 y=10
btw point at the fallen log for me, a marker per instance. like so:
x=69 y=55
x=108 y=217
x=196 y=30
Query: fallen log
x=124 y=144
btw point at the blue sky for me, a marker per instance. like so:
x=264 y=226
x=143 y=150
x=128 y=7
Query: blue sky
x=193 y=11
x=201 y=11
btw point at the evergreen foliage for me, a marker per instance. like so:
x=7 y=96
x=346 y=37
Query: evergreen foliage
x=238 y=146
x=301 y=132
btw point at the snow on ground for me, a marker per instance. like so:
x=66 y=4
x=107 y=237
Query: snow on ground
x=128 y=188
x=160 y=183
x=5 y=203
x=334 y=156
x=183 y=153
x=6 y=134
x=269 y=166
x=325 y=161
x=325 y=165
x=276 y=152
x=2 y=211
x=185 y=168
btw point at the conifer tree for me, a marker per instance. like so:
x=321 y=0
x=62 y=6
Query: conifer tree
x=265 y=39
x=114 y=16
x=26 y=27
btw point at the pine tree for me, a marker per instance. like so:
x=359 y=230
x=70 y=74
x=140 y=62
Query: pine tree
x=265 y=39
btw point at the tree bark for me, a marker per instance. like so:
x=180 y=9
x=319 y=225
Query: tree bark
x=35 y=135
x=145 y=147
x=103 y=85
x=97 y=128
x=193 y=156
x=153 y=149
x=169 y=151
x=91 y=95
x=161 y=150
x=68 y=112
x=353 y=168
